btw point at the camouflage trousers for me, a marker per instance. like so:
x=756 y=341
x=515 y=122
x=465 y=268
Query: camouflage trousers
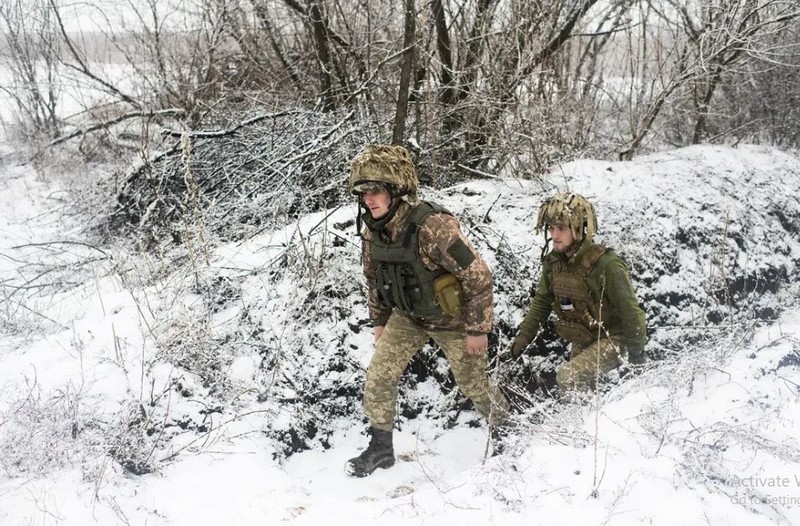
x=587 y=364
x=402 y=338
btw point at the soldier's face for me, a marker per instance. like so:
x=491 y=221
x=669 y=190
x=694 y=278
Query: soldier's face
x=378 y=203
x=562 y=237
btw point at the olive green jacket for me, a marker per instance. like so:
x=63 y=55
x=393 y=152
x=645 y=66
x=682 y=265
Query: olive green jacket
x=610 y=286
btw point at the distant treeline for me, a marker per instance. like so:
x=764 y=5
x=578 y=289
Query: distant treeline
x=492 y=86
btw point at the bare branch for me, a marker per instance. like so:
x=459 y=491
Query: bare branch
x=83 y=68
x=233 y=129
x=116 y=120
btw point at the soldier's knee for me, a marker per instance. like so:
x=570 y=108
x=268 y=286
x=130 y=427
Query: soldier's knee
x=381 y=377
x=470 y=385
x=374 y=371
x=574 y=379
x=371 y=381
x=385 y=366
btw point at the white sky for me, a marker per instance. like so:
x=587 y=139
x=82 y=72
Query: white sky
x=104 y=15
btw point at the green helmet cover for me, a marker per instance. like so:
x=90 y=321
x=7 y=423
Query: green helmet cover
x=379 y=165
x=569 y=209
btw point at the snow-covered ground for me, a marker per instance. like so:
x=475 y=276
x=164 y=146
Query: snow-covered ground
x=196 y=376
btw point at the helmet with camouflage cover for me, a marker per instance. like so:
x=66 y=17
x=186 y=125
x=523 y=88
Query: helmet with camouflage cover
x=569 y=209
x=387 y=167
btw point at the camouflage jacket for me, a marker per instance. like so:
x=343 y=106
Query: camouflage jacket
x=610 y=286
x=442 y=245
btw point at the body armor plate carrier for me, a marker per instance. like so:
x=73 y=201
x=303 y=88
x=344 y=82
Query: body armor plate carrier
x=579 y=314
x=403 y=281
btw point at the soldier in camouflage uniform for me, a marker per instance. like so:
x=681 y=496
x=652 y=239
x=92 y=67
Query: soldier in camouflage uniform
x=425 y=280
x=588 y=287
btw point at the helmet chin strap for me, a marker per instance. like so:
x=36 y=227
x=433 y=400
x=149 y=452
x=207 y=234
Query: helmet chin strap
x=361 y=204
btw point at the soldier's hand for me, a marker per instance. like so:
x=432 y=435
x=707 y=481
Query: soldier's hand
x=378 y=332
x=477 y=344
x=519 y=344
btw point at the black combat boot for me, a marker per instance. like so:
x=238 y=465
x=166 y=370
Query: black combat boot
x=379 y=454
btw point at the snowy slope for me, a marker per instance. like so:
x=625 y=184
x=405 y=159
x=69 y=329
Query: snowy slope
x=141 y=389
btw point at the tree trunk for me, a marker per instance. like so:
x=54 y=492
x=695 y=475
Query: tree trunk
x=444 y=48
x=323 y=55
x=409 y=46
x=262 y=14
x=701 y=124
x=468 y=71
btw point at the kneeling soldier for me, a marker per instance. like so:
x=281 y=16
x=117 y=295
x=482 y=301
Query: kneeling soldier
x=588 y=287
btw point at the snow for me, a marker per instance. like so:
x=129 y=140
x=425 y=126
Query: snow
x=707 y=435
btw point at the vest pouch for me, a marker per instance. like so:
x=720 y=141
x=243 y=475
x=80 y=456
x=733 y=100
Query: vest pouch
x=447 y=290
x=574 y=332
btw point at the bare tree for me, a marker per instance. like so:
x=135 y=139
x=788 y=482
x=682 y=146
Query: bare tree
x=494 y=85
x=268 y=26
x=708 y=39
x=724 y=34
x=494 y=56
x=30 y=53
x=409 y=51
x=760 y=102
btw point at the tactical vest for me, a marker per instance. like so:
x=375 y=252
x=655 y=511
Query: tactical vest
x=403 y=281
x=579 y=314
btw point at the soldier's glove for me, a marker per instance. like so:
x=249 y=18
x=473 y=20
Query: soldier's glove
x=519 y=344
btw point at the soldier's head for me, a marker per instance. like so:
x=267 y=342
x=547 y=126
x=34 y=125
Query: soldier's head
x=569 y=219
x=381 y=176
